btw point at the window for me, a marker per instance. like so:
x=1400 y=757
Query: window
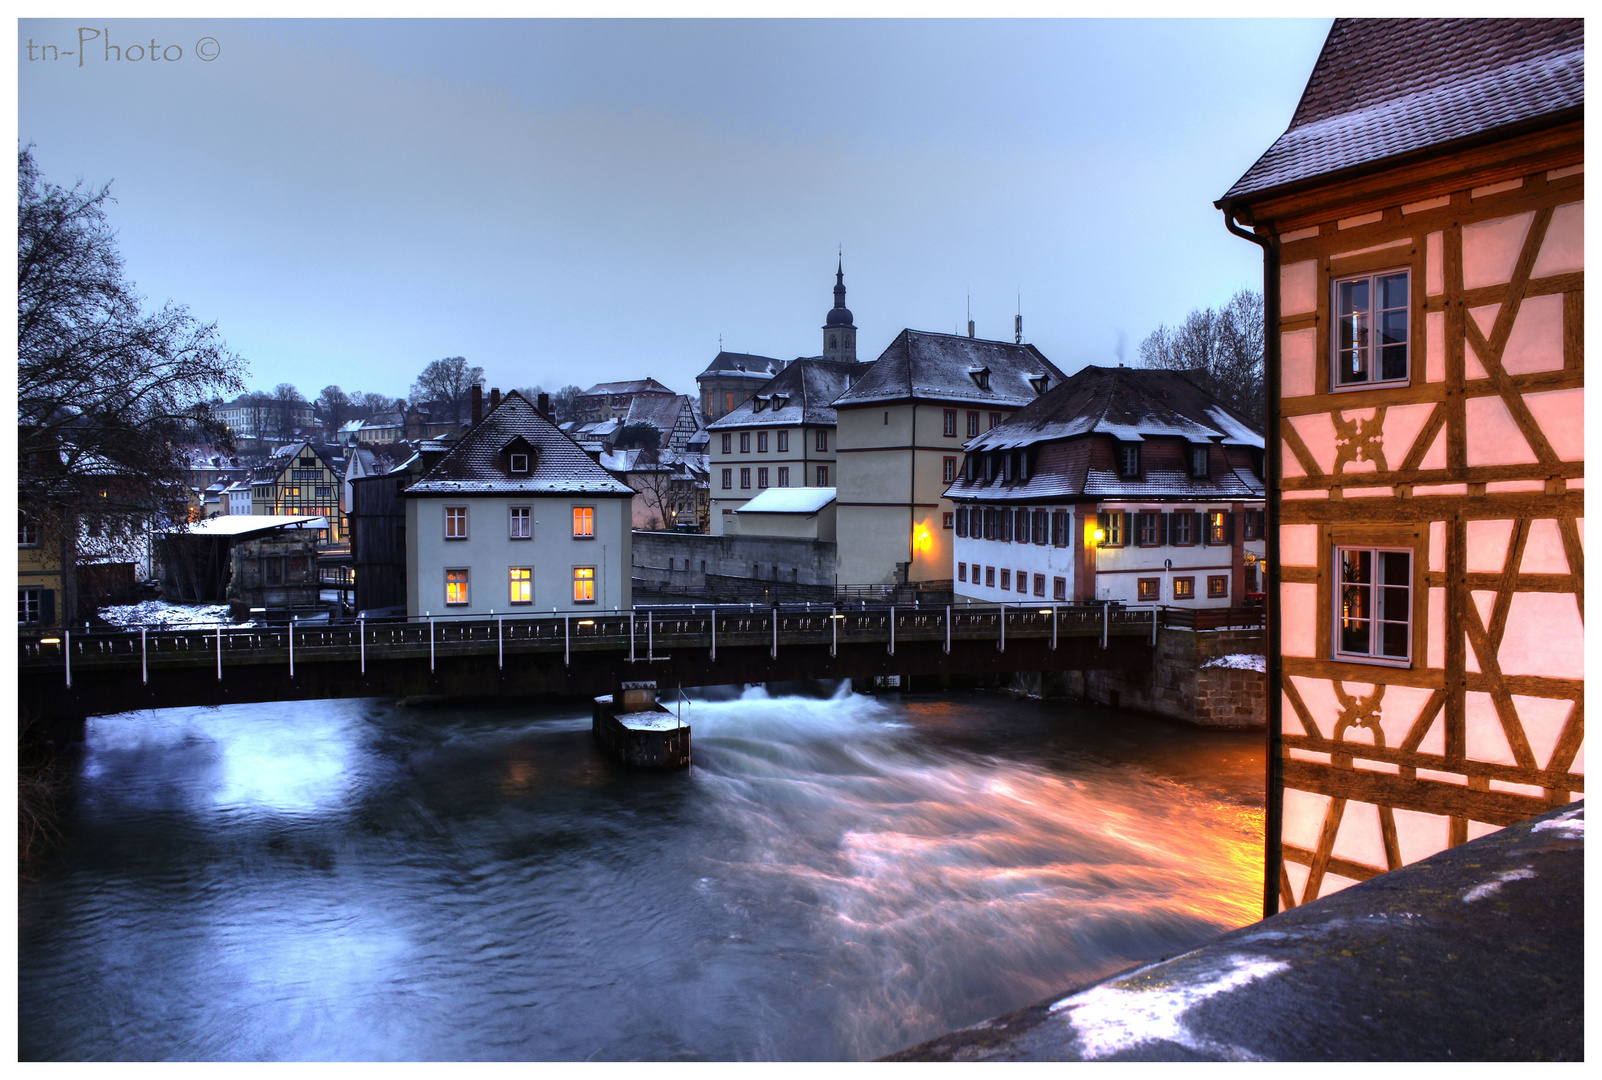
x=728 y=444
x=1006 y=579
x=1040 y=585
x=784 y=476
x=456 y=523
x=1252 y=525
x=821 y=440
x=762 y=478
x=823 y=476
x=995 y=418
x=962 y=521
x=522 y=584
x=1041 y=526
x=745 y=442
x=27 y=531
x=1059 y=528
x=455 y=588
x=1128 y=460
x=1059 y=588
x=887 y=418
x=973 y=425
x=1004 y=531
x=1148 y=528
x=1023 y=581
x=950 y=428
x=322 y=491
x=948 y=469
x=1112 y=527
x=522 y=523
x=1184 y=588
x=1373 y=604
x=728 y=406
x=30 y=607
x=1182 y=527
x=784 y=444
x=1148 y=588
x=990 y=577
x=945 y=521
x=1371 y=329
x=1220 y=528
x=583 y=584
x=762 y=442
x=962 y=571
x=519 y=463
x=728 y=478
x=584 y=522
x=745 y=478
x=1217 y=586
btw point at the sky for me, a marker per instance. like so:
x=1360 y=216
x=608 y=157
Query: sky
x=583 y=201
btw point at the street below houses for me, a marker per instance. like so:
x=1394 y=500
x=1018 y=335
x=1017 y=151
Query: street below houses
x=837 y=876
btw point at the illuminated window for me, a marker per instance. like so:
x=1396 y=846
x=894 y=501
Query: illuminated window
x=1220 y=527
x=1371 y=329
x=584 y=522
x=456 y=523
x=1184 y=588
x=522 y=582
x=1217 y=586
x=455 y=588
x=522 y=523
x=1149 y=588
x=948 y=469
x=583 y=584
x=951 y=424
x=1373 y=604
x=1112 y=527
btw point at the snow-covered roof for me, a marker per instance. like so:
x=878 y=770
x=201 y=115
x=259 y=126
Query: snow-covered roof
x=245 y=524
x=789 y=500
x=742 y=366
x=946 y=367
x=803 y=393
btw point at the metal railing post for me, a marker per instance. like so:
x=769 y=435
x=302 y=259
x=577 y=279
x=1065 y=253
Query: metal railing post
x=1154 y=624
x=500 y=644
x=773 y=653
x=948 y=628
x=144 y=664
x=292 y=646
x=1105 y=608
x=1002 y=619
x=834 y=642
x=66 y=654
x=631 y=635
x=430 y=643
x=892 y=629
x=361 y=640
x=1054 y=626
x=567 y=640
x=714 y=631
x=219 y=655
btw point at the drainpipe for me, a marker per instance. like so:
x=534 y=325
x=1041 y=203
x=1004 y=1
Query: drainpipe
x=1274 y=795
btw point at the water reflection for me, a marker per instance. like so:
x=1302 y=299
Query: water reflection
x=838 y=876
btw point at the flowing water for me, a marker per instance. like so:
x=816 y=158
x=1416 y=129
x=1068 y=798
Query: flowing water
x=836 y=877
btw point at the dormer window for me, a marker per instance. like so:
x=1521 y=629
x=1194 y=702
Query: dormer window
x=1023 y=466
x=1040 y=383
x=1198 y=461
x=519 y=463
x=780 y=401
x=980 y=376
x=1129 y=460
x=758 y=403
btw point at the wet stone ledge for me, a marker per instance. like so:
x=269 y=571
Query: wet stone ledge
x=1475 y=954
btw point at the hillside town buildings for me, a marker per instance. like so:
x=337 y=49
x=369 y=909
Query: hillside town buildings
x=730 y=380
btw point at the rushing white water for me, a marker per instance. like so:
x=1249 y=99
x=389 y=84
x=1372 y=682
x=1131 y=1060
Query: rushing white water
x=837 y=877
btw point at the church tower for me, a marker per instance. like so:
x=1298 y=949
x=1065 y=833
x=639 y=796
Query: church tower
x=839 y=333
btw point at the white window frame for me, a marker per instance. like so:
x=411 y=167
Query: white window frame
x=1375 y=623
x=513 y=463
x=466 y=583
x=1369 y=349
x=520 y=516
x=578 y=534
x=512 y=583
x=456 y=513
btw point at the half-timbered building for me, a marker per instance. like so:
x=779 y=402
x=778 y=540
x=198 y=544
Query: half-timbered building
x=1421 y=221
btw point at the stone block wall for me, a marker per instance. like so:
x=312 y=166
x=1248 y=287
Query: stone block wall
x=685 y=559
x=1178 y=686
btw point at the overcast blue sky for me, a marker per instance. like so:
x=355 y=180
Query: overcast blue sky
x=583 y=201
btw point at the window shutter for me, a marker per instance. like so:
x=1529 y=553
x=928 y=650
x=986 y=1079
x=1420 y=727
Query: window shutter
x=1126 y=536
x=1229 y=528
x=1102 y=523
x=47 y=607
x=1201 y=528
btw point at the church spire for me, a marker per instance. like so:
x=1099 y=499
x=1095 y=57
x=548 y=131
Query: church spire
x=839 y=332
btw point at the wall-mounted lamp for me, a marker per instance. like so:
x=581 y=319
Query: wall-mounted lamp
x=1100 y=535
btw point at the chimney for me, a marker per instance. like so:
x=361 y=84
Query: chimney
x=495 y=398
x=544 y=406
x=478 y=404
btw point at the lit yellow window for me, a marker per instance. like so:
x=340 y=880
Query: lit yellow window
x=584 y=521
x=522 y=585
x=583 y=584
x=456 y=587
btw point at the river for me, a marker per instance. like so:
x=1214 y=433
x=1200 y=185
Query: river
x=837 y=877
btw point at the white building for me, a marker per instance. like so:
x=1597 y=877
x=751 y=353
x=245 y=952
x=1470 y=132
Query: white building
x=804 y=512
x=1120 y=484
x=516 y=517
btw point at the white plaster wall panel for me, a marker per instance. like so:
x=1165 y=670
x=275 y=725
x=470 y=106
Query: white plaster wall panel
x=1472 y=368
x=1484 y=601
x=1487 y=546
x=1485 y=317
x=1434 y=267
x=1494 y=486
x=1561 y=414
x=1438 y=545
x=1298 y=288
x=1304 y=813
x=1371 y=218
x=1322 y=704
x=1401 y=428
x=1418 y=835
x=1435 y=456
x=1493 y=437
x=1358 y=839
x=1318 y=433
x=1477 y=829
x=1332 y=884
x=1435 y=346
x=1296 y=873
x=1400 y=710
x=1535 y=791
x=1298 y=606
x=1543 y=549
x=1497 y=188
x=1578 y=767
x=1484 y=739
x=1288 y=465
x=1296 y=363
x=1563 y=248
x=1299 y=234
x=1426 y=204
x=1536 y=343
x=1567 y=170
x=1434 y=741
x=1298 y=545
x=1435 y=641
x=1471 y=661
x=1491 y=249
x=1545 y=636
x=1543 y=721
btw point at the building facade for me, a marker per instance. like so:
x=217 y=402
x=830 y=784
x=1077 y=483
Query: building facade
x=302 y=479
x=1422 y=221
x=612 y=401
x=730 y=380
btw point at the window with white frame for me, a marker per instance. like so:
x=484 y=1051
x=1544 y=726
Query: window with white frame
x=456 y=593
x=784 y=476
x=519 y=463
x=948 y=470
x=521 y=525
x=27 y=531
x=1371 y=329
x=1373 y=605
x=522 y=584
x=728 y=477
x=1128 y=460
x=821 y=441
x=456 y=523
x=1198 y=461
x=583 y=584
x=584 y=523
x=784 y=442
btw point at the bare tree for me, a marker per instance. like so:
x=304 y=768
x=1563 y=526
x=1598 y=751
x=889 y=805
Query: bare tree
x=1221 y=351
x=653 y=481
x=450 y=381
x=564 y=404
x=334 y=405
x=287 y=402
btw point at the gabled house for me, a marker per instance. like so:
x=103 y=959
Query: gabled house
x=1422 y=223
x=1120 y=484
x=515 y=516
x=612 y=401
x=902 y=426
x=674 y=418
x=302 y=479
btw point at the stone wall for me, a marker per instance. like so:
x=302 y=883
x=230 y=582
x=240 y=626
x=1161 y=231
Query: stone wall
x=684 y=560
x=1178 y=686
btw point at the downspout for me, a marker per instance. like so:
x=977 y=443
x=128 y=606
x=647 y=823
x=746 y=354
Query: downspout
x=912 y=497
x=1274 y=795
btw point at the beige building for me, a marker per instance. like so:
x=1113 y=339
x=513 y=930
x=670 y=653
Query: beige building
x=901 y=430
x=805 y=513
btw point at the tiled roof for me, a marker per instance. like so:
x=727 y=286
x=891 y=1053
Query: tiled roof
x=742 y=365
x=803 y=393
x=942 y=367
x=660 y=412
x=473 y=465
x=635 y=386
x=1383 y=88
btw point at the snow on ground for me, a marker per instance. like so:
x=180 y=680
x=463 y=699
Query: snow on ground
x=172 y=616
x=1240 y=661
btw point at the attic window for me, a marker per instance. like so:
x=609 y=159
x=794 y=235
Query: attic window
x=759 y=403
x=1039 y=382
x=519 y=463
x=1129 y=460
x=981 y=377
x=780 y=401
x=1198 y=461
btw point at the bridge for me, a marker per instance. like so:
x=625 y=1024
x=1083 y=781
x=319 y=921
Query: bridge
x=74 y=674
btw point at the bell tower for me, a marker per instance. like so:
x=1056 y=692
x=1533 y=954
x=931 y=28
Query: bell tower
x=839 y=332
